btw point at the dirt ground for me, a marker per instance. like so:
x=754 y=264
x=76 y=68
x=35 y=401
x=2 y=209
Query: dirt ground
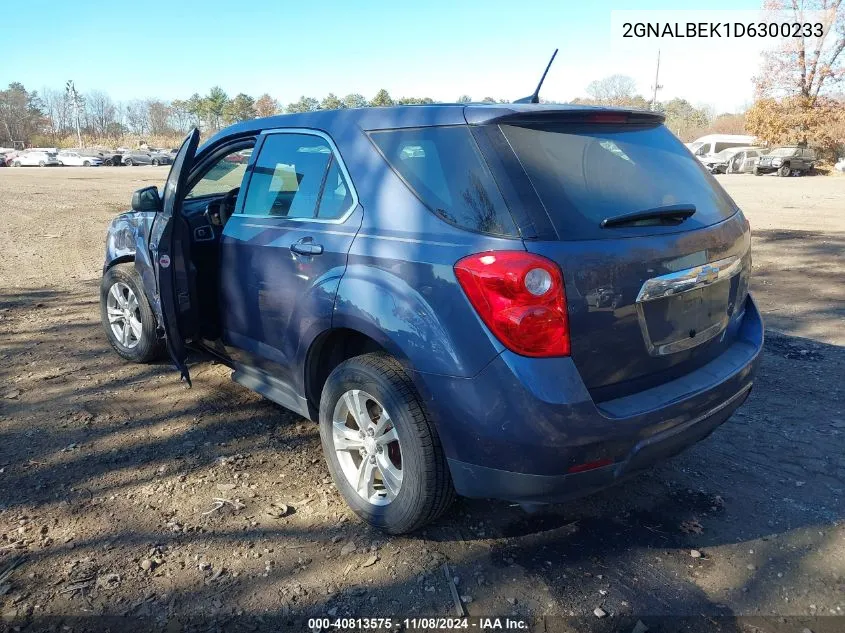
x=109 y=471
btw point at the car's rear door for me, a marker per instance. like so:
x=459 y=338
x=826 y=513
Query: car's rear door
x=170 y=251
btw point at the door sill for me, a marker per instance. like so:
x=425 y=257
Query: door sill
x=271 y=388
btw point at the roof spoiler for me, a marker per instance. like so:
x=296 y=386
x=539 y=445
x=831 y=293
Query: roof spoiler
x=562 y=114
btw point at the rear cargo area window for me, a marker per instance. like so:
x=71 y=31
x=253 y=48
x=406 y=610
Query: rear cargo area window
x=444 y=168
x=585 y=173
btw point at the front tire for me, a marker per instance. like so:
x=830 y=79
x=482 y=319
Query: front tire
x=784 y=171
x=86 y=163
x=128 y=162
x=41 y=163
x=382 y=450
x=127 y=317
x=155 y=162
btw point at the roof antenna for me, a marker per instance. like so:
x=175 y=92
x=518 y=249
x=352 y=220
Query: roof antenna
x=535 y=98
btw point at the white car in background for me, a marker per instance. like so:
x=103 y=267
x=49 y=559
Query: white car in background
x=76 y=159
x=32 y=159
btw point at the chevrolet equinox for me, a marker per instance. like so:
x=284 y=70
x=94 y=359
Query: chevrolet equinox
x=521 y=302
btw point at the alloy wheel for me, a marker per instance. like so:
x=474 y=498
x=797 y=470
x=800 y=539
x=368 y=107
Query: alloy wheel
x=367 y=447
x=124 y=313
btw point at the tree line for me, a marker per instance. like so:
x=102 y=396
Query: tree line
x=49 y=118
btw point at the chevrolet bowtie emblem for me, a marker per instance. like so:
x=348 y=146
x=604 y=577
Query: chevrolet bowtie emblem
x=708 y=274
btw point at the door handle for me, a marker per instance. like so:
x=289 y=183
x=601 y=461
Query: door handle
x=306 y=246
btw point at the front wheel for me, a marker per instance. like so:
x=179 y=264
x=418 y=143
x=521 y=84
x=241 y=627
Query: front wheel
x=86 y=163
x=127 y=317
x=41 y=163
x=757 y=171
x=382 y=451
x=784 y=171
x=155 y=162
x=128 y=162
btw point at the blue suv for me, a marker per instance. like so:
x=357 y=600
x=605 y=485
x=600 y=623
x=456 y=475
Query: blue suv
x=523 y=302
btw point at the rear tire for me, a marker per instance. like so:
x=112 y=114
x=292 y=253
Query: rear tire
x=125 y=281
x=784 y=170
x=128 y=162
x=155 y=162
x=425 y=489
x=17 y=163
x=41 y=163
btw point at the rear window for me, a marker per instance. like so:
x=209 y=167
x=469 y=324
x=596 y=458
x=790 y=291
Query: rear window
x=444 y=168
x=586 y=173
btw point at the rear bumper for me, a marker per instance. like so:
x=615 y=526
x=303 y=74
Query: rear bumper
x=484 y=482
x=518 y=429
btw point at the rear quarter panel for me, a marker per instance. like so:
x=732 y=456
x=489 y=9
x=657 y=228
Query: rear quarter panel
x=399 y=287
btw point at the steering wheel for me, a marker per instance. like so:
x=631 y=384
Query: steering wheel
x=227 y=205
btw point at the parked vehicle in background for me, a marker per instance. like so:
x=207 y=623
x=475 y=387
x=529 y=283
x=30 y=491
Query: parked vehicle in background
x=787 y=161
x=523 y=302
x=239 y=157
x=111 y=158
x=840 y=165
x=711 y=144
x=142 y=157
x=734 y=160
x=77 y=160
x=35 y=158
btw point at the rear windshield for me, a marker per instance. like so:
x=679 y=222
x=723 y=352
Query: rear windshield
x=444 y=168
x=586 y=173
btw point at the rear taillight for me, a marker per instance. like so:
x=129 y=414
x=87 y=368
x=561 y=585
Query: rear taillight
x=520 y=297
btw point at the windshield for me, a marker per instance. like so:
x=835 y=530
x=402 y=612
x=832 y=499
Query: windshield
x=693 y=147
x=783 y=151
x=586 y=173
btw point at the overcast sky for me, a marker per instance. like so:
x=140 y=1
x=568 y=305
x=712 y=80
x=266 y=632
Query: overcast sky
x=436 y=48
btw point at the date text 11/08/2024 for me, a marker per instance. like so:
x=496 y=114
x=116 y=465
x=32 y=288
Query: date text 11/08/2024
x=419 y=624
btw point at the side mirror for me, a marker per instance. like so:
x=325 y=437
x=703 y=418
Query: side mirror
x=146 y=199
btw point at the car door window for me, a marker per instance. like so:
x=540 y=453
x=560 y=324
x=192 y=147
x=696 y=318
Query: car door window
x=289 y=177
x=336 y=197
x=223 y=176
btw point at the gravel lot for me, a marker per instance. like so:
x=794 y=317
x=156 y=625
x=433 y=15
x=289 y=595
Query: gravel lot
x=109 y=471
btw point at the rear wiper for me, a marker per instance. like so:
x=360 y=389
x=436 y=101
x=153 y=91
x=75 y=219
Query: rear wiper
x=670 y=214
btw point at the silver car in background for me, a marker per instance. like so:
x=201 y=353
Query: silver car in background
x=734 y=160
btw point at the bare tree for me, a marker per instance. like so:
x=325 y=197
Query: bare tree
x=613 y=89
x=100 y=111
x=136 y=117
x=158 y=116
x=57 y=112
x=180 y=115
x=805 y=66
